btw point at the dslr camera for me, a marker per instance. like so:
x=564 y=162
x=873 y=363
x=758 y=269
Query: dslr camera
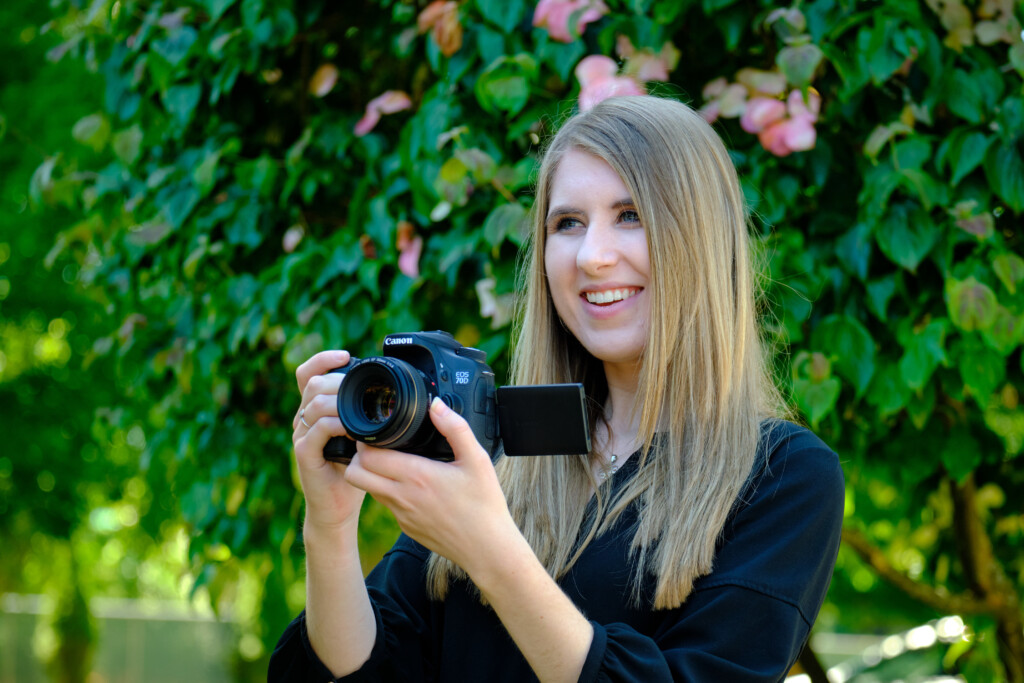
x=384 y=401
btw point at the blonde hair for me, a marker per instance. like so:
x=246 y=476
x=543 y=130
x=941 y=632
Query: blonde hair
x=704 y=383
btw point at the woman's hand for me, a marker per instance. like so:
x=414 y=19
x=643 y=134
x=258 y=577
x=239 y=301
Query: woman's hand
x=331 y=502
x=456 y=509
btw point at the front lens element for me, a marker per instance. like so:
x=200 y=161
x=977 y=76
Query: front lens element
x=378 y=402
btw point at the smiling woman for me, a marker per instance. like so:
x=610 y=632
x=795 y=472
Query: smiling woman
x=695 y=542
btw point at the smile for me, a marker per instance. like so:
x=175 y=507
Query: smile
x=611 y=295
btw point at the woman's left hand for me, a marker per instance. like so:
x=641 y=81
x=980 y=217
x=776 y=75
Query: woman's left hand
x=456 y=509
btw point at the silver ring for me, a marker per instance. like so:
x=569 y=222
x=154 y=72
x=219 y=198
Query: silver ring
x=302 y=419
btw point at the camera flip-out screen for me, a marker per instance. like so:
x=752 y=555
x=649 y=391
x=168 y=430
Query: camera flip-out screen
x=544 y=419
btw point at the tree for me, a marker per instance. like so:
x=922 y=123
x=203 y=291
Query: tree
x=268 y=178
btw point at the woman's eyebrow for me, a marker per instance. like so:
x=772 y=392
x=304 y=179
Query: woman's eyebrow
x=563 y=211
x=624 y=203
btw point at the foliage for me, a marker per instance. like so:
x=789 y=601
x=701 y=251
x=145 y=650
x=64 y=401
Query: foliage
x=233 y=219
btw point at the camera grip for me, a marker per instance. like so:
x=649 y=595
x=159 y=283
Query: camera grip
x=341 y=448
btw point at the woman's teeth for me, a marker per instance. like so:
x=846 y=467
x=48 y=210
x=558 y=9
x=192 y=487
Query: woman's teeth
x=610 y=296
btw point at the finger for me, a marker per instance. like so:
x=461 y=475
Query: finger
x=456 y=430
x=320 y=364
x=320 y=385
x=309 y=445
x=321 y=405
x=361 y=476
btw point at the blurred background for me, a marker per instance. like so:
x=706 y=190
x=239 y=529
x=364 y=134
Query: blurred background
x=196 y=196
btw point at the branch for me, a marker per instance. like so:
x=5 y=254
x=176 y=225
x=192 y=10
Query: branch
x=937 y=598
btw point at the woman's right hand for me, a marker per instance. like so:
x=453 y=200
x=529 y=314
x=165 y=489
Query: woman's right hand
x=331 y=502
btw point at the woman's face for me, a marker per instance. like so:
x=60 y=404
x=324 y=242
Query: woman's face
x=596 y=259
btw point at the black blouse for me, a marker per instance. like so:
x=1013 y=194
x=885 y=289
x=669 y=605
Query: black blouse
x=745 y=621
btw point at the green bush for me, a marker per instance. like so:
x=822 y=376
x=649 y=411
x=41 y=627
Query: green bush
x=241 y=207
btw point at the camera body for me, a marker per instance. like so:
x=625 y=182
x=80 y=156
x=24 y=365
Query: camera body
x=384 y=400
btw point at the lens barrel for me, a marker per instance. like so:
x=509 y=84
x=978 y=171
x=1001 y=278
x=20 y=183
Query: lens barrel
x=384 y=402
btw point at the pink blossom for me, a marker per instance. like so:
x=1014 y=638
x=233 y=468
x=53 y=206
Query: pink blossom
x=598 y=81
x=710 y=111
x=760 y=113
x=410 y=246
x=555 y=15
x=409 y=257
x=773 y=139
x=616 y=86
x=595 y=68
x=798 y=108
x=388 y=102
x=443 y=18
x=799 y=134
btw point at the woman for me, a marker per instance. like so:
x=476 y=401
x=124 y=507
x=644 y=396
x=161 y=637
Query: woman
x=695 y=542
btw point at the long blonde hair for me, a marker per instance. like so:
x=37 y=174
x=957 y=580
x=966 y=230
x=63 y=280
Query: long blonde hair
x=704 y=383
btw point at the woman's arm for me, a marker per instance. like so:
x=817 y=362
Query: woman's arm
x=458 y=510
x=340 y=624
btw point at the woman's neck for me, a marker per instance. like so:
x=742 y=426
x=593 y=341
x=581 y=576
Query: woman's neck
x=622 y=414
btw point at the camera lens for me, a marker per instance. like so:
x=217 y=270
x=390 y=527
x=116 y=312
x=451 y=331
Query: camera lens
x=378 y=403
x=384 y=401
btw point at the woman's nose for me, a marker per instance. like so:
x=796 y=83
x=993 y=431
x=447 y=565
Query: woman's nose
x=597 y=249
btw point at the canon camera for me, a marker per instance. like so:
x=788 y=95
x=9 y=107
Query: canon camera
x=384 y=401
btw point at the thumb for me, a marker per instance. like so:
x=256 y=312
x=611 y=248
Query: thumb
x=456 y=430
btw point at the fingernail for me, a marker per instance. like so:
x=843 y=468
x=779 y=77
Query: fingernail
x=437 y=405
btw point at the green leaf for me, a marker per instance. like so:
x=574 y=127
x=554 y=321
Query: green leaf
x=180 y=102
x=906 y=235
x=1010 y=118
x=879 y=293
x=848 y=343
x=924 y=352
x=921 y=405
x=504 y=221
x=216 y=8
x=854 y=250
x=506 y=14
x=889 y=393
x=504 y=86
x=1004 y=169
x=982 y=369
x=964 y=96
x=92 y=131
x=972 y=305
x=1006 y=331
x=816 y=399
x=1009 y=268
x=798 y=63
x=176 y=46
x=127 y=144
x=344 y=260
x=960 y=454
x=244 y=227
x=968 y=154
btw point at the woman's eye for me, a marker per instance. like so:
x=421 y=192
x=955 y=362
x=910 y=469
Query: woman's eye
x=566 y=223
x=629 y=216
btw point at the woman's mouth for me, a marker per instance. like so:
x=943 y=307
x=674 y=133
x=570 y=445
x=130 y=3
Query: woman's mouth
x=610 y=296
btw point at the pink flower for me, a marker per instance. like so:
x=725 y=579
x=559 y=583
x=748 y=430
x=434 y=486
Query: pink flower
x=610 y=87
x=798 y=108
x=410 y=246
x=796 y=132
x=443 y=18
x=595 y=68
x=386 y=103
x=555 y=14
x=598 y=79
x=760 y=113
